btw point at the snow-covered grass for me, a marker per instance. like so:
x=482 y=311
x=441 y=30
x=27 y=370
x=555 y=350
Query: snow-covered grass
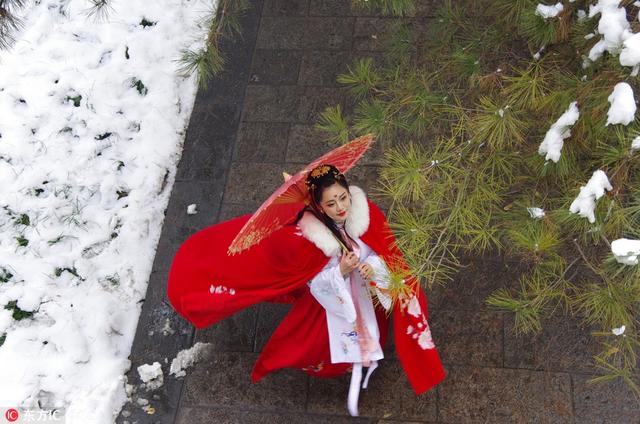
x=92 y=121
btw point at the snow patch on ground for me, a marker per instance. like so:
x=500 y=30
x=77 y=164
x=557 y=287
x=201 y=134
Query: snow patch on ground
x=188 y=357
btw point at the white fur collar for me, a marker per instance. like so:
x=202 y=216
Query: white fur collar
x=356 y=224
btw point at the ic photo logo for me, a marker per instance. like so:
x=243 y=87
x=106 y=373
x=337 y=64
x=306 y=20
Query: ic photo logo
x=11 y=415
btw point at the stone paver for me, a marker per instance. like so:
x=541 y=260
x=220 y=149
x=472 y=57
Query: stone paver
x=256 y=121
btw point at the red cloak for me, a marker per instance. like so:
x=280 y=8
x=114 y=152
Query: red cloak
x=206 y=285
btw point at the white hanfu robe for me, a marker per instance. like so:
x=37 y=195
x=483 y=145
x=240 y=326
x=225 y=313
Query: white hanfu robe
x=333 y=292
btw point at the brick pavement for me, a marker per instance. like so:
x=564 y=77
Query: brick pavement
x=257 y=121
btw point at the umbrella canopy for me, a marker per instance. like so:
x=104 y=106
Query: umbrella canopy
x=283 y=205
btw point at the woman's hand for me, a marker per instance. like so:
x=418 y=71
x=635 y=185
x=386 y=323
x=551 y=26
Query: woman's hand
x=366 y=271
x=348 y=262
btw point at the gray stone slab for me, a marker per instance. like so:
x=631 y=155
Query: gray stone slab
x=604 y=403
x=315 y=100
x=235 y=333
x=495 y=395
x=474 y=282
x=272 y=103
x=371 y=34
x=296 y=33
x=231 y=210
x=563 y=345
x=388 y=395
x=322 y=67
x=203 y=194
x=424 y=8
x=468 y=337
x=305 y=144
x=226 y=380
x=171 y=238
x=253 y=183
x=227 y=416
x=261 y=142
x=275 y=67
x=285 y=7
x=270 y=315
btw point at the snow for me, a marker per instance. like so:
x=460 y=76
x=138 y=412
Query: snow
x=585 y=203
x=187 y=357
x=536 y=213
x=549 y=11
x=554 y=139
x=613 y=26
x=623 y=105
x=191 y=209
x=619 y=331
x=626 y=251
x=151 y=375
x=93 y=116
x=635 y=144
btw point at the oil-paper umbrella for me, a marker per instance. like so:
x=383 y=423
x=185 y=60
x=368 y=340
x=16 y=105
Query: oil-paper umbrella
x=283 y=205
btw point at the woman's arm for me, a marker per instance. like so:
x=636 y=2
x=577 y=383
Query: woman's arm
x=329 y=288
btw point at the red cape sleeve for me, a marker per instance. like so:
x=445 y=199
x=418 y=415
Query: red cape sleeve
x=206 y=285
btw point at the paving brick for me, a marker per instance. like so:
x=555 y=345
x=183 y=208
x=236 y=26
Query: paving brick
x=235 y=333
x=261 y=142
x=563 y=345
x=253 y=183
x=270 y=315
x=475 y=281
x=388 y=395
x=468 y=337
x=317 y=33
x=232 y=210
x=285 y=7
x=496 y=395
x=201 y=193
x=604 y=403
x=275 y=67
x=228 y=416
x=271 y=103
x=314 y=100
x=171 y=238
x=225 y=379
x=322 y=67
x=371 y=34
x=305 y=144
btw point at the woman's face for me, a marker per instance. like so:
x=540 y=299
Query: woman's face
x=336 y=202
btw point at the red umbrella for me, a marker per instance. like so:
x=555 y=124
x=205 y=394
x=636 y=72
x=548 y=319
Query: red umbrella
x=283 y=205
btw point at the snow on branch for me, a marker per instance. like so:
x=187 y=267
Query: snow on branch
x=549 y=11
x=554 y=139
x=623 y=105
x=626 y=251
x=585 y=204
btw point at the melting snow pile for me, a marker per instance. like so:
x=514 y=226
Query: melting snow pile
x=188 y=357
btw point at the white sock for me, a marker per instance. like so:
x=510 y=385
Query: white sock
x=372 y=367
x=354 y=389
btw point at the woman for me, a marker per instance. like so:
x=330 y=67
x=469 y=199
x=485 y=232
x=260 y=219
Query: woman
x=324 y=264
x=342 y=287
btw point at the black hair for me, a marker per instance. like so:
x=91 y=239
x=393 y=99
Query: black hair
x=318 y=179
